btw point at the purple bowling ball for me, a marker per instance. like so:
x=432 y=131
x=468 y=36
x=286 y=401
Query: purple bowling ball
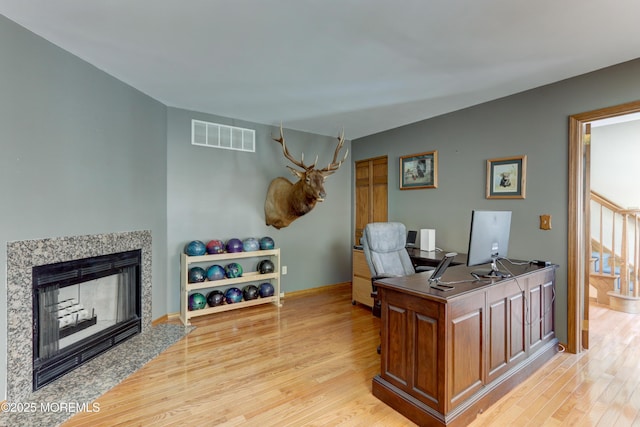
x=234 y=245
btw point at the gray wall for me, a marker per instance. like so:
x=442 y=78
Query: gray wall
x=80 y=153
x=219 y=194
x=534 y=123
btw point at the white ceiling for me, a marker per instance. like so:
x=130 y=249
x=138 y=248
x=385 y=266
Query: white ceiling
x=319 y=66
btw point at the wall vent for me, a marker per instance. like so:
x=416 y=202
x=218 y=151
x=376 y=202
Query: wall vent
x=217 y=135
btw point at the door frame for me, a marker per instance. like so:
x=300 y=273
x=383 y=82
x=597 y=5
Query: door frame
x=578 y=264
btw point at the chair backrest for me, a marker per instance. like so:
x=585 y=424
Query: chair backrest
x=384 y=248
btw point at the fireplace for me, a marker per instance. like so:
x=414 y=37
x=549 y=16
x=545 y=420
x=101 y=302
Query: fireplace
x=25 y=256
x=82 y=308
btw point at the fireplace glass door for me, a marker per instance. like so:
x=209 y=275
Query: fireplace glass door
x=82 y=308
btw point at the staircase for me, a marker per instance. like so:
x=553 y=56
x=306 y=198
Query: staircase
x=615 y=251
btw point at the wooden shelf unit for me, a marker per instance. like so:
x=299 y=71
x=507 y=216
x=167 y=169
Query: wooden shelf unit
x=186 y=262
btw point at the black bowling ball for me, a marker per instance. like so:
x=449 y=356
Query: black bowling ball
x=266 y=266
x=250 y=292
x=215 y=298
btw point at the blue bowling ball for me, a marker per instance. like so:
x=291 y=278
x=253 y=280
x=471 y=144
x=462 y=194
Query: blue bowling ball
x=267 y=243
x=233 y=295
x=251 y=244
x=266 y=290
x=216 y=272
x=195 y=248
x=197 y=274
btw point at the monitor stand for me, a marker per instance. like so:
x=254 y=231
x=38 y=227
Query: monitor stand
x=494 y=273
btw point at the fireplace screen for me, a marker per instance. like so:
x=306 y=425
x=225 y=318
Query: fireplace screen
x=81 y=309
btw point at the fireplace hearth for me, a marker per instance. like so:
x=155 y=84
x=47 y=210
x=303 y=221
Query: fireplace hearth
x=82 y=308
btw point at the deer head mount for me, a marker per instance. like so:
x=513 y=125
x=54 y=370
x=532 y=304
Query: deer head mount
x=286 y=201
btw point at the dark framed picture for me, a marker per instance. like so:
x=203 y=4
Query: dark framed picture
x=419 y=171
x=506 y=178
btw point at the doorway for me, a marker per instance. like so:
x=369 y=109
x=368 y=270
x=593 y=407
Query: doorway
x=579 y=190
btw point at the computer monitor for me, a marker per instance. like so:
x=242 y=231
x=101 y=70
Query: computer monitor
x=412 y=235
x=489 y=240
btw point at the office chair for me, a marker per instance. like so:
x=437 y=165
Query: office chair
x=384 y=249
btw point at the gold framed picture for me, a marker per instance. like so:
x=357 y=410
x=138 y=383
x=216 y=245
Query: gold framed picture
x=506 y=177
x=419 y=171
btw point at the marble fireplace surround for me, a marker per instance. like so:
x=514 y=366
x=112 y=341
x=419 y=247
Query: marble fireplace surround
x=22 y=256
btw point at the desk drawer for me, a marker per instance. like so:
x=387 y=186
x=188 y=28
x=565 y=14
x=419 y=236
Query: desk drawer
x=360 y=267
x=361 y=291
x=361 y=280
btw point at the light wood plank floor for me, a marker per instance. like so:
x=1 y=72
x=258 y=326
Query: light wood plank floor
x=311 y=363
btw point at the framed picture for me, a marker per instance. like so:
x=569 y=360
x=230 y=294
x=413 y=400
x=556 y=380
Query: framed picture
x=506 y=177
x=419 y=171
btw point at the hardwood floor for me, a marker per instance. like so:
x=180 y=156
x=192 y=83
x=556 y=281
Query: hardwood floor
x=599 y=387
x=311 y=363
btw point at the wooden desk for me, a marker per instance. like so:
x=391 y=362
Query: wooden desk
x=432 y=258
x=361 y=276
x=446 y=356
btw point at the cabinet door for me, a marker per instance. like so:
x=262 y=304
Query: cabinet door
x=370 y=193
x=412 y=356
x=466 y=327
x=541 y=308
x=507 y=341
x=362 y=198
x=379 y=190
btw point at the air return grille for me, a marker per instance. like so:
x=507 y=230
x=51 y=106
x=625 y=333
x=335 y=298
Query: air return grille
x=222 y=136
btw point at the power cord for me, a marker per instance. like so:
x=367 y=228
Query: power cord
x=527 y=318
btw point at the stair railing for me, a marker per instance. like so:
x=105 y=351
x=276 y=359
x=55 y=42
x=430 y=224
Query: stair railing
x=627 y=257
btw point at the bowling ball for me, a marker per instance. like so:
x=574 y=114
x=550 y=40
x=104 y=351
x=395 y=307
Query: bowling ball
x=233 y=270
x=267 y=243
x=195 y=248
x=216 y=272
x=197 y=301
x=234 y=245
x=266 y=290
x=215 y=298
x=251 y=244
x=266 y=266
x=215 y=247
x=233 y=295
x=197 y=274
x=250 y=292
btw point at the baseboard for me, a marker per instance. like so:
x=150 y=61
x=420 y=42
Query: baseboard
x=166 y=318
x=302 y=292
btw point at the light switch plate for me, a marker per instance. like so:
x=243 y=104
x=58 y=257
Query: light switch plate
x=545 y=222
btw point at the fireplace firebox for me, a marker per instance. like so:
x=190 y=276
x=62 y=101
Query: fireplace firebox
x=82 y=308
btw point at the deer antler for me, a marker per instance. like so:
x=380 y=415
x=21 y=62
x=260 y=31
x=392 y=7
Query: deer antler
x=334 y=166
x=299 y=163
